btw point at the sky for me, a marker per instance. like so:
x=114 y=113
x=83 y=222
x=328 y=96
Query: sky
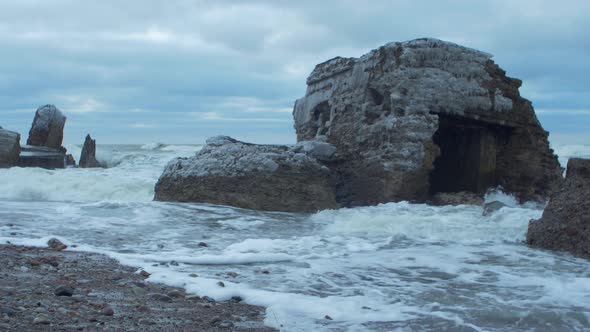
x=179 y=71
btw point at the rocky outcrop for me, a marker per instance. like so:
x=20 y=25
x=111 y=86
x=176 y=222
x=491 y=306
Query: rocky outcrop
x=70 y=161
x=9 y=148
x=565 y=224
x=261 y=177
x=48 y=128
x=44 y=146
x=423 y=121
x=413 y=119
x=88 y=155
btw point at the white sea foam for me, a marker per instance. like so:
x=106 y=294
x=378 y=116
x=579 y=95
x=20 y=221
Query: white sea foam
x=396 y=266
x=153 y=146
x=131 y=176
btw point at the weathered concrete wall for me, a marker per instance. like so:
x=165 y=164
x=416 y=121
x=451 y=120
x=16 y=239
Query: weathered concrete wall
x=382 y=110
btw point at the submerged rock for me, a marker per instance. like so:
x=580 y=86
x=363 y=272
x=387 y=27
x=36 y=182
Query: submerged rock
x=458 y=198
x=565 y=224
x=88 y=155
x=48 y=127
x=9 y=148
x=417 y=118
x=492 y=207
x=70 y=161
x=261 y=177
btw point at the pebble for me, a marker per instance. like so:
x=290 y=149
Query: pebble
x=160 y=297
x=143 y=308
x=108 y=311
x=63 y=291
x=193 y=275
x=232 y=274
x=236 y=298
x=226 y=324
x=140 y=284
x=7 y=311
x=56 y=244
x=203 y=244
x=53 y=261
x=144 y=274
x=138 y=291
x=62 y=311
x=220 y=284
x=328 y=317
x=209 y=299
x=41 y=319
x=176 y=294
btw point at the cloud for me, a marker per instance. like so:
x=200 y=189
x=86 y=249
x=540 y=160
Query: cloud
x=79 y=104
x=214 y=116
x=242 y=64
x=142 y=125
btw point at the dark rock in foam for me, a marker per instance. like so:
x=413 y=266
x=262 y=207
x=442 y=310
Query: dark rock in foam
x=565 y=224
x=88 y=155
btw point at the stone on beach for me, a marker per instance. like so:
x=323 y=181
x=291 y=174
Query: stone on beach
x=64 y=291
x=56 y=244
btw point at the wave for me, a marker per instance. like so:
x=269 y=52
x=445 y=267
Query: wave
x=153 y=146
x=75 y=185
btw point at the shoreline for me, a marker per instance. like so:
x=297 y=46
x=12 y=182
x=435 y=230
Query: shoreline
x=43 y=289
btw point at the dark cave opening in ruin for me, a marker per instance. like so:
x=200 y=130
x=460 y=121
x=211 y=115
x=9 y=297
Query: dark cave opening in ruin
x=468 y=155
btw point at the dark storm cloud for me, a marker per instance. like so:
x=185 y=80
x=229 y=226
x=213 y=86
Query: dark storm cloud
x=134 y=71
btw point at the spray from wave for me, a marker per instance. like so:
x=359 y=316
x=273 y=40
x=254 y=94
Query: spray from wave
x=130 y=175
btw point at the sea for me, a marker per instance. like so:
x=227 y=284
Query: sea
x=391 y=267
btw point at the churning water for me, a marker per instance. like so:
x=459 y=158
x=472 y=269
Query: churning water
x=396 y=266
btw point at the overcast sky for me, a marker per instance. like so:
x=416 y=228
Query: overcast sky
x=140 y=71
